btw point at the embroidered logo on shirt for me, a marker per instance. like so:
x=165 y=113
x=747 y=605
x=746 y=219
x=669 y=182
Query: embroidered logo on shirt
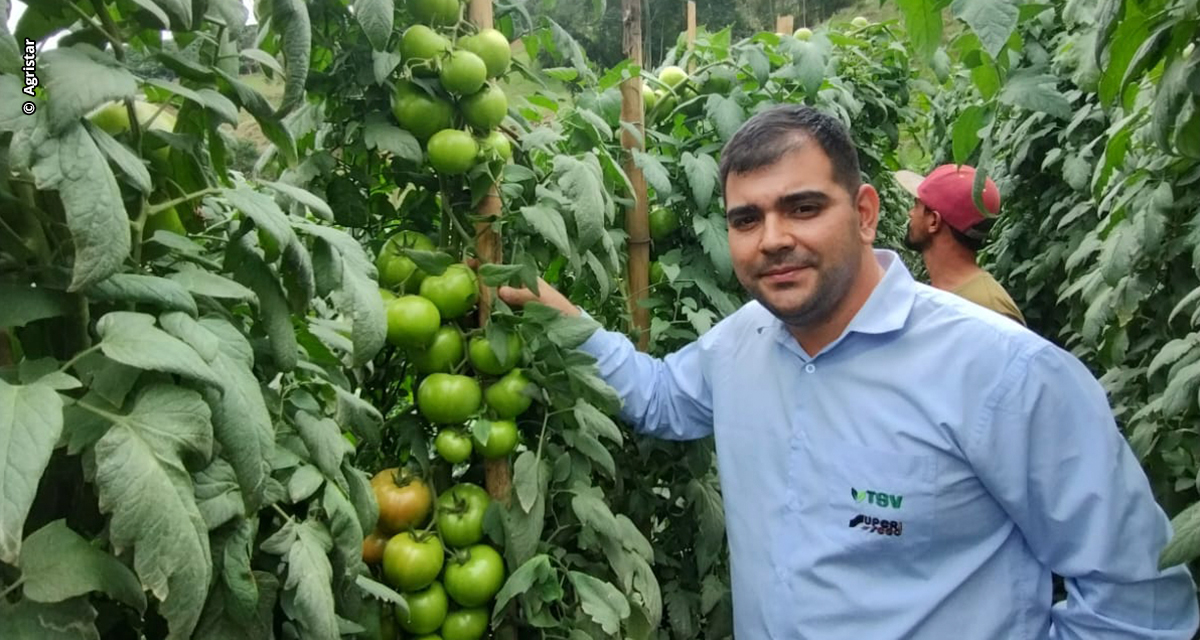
x=877 y=525
x=878 y=498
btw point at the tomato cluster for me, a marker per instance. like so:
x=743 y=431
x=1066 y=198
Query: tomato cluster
x=450 y=101
x=441 y=564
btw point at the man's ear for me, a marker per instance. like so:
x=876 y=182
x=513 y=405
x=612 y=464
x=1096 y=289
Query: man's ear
x=866 y=204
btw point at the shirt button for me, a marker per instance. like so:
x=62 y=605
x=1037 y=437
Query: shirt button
x=810 y=368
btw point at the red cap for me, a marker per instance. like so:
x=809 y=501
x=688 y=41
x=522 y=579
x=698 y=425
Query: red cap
x=948 y=190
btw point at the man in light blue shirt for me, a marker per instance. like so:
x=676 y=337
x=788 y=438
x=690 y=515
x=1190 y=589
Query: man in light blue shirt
x=896 y=462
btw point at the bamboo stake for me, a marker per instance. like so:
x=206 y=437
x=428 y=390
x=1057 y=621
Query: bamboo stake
x=691 y=33
x=636 y=221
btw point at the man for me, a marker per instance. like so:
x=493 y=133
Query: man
x=947 y=228
x=896 y=462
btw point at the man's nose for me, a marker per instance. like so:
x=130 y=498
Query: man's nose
x=776 y=235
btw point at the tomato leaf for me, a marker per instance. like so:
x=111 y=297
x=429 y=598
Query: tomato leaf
x=593 y=420
x=127 y=161
x=359 y=298
x=1128 y=35
x=222 y=619
x=241 y=422
x=585 y=193
x=290 y=19
x=536 y=578
x=588 y=445
x=376 y=18
x=655 y=173
x=702 y=173
x=1036 y=92
x=95 y=215
x=143 y=483
x=31 y=420
x=386 y=137
x=305 y=198
x=1185 y=542
x=1180 y=393
x=992 y=20
x=965 y=133
x=606 y=605
x=206 y=283
x=362 y=496
x=308 y=594
x=261 y=208
x=24 y=303
x=548 y=222
x=217 y=494
x=715 y=240
x=80 y=78
x=526 y=481
x=347 y=532
x=1168 y=100
x=73 y=619
x=132 y=339
x=383 y=64
x=358 y=414
x=325 y=444
x=250 y=269
x=726 y=114
x=143 y=289
x=304 y=482
x=381 y=592
x=923 y=22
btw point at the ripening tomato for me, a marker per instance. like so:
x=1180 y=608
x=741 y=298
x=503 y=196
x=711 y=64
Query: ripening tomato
x=404 y=500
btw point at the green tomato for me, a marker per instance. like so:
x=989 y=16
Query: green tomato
x=672 y=76
x=483 y=359
x=501 y=440
x=663 y=222
x=445 y=398
x=474 y=576
x=397 y=270
x=413 y=321
x=453 y=446
x=465 y=624
x=492 y=47
x=411 y=562
x=443 y=353
x=426 y=610
x=420 y=113
x=496 y=145
x=419 y=42
x=452 y=151
x=460 y=514
x=860 y=22
x=803 y=33
x=485 y=109
x=511 y=395
x=463 y=73
x=454 y=292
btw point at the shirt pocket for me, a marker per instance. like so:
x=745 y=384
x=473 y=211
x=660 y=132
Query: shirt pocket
x=876 y=500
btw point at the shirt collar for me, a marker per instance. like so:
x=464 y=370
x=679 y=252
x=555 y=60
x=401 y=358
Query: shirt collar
x=886 y=309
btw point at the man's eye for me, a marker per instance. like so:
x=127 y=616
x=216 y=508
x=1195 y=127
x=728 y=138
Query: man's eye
x=741 y=222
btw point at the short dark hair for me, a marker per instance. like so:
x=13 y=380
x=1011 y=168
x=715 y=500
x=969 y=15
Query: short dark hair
x=978 y=237
x=779 y=130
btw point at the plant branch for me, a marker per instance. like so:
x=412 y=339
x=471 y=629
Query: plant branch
x=163 y=206
x=79 y=356
x=12 y=587
x=112 y=39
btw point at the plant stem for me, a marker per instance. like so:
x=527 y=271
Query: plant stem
x=13 y=587
x=95 y=25
x=163 y=206
x=79 y=356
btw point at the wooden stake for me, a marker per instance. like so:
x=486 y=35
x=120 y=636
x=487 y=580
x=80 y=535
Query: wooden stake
x=636 y=221
x=691 y=33
x=498 y=474
x=785 y=25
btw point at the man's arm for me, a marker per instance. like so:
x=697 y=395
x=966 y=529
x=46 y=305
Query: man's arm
x=1050 y=452
x=669 y=398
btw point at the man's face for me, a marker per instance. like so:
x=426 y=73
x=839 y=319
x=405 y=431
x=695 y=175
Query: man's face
x=918 y=237
x=797 y=237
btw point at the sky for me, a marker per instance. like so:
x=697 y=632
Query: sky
x=18 y=8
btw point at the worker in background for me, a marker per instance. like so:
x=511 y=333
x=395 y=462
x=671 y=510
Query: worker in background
x=948 y=229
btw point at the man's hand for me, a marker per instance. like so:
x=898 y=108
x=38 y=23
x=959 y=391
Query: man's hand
x=546 y=295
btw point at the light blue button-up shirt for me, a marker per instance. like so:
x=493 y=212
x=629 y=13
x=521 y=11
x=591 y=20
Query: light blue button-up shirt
x=920 y=477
